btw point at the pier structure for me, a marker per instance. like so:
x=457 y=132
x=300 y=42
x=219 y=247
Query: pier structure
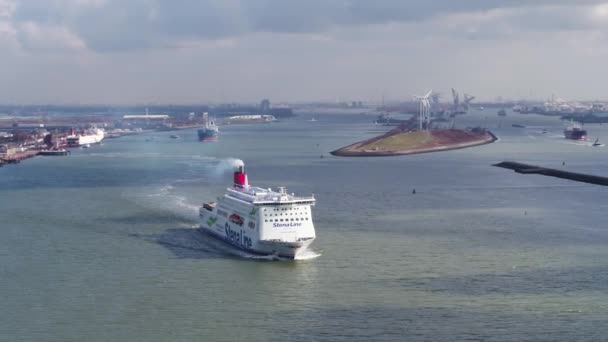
x=17 y=157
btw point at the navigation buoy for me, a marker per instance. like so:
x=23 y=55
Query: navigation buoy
x=414 y=191
x=563 y=163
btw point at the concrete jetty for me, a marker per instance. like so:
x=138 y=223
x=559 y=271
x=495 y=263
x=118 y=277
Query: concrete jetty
x=544 y=171
x=19 y=156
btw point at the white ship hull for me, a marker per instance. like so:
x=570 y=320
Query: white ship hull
x=260 y=221
x=264 y=248
x=90 y=138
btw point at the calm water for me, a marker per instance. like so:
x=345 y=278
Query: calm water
x=99 y=246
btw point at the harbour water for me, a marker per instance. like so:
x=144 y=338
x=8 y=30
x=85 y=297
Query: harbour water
x=100 y=245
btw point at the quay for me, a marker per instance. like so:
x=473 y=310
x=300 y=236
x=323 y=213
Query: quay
x=18 y=157
x=544 y=171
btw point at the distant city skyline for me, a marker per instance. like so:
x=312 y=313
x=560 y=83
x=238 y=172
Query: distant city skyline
x=190 y=51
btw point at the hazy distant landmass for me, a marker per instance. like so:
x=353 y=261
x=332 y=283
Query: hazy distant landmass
x=218 y=111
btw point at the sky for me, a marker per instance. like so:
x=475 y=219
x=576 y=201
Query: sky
x=201 y=51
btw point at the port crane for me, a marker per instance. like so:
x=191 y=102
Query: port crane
x=457 y=107
x=467 y=100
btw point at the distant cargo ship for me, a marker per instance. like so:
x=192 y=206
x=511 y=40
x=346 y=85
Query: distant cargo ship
x=209 y=133
x=386 y=120
x=251 y=118
x=88 y=137
x=575 y=132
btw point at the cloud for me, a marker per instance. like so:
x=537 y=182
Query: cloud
x=47 y=38
x=222 y=50
x=118 y=25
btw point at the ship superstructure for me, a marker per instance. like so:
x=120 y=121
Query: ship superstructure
x=260 y=221
x=88 y=137
x=575 y=132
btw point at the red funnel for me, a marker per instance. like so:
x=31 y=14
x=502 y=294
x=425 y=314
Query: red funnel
x=240 y=178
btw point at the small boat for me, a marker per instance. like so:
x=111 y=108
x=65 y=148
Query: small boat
x=597 y=143
x=86 y=145
x=518 y=126
x=502 y=112
x=544 y=131
x=174 y=136
x=313 y=119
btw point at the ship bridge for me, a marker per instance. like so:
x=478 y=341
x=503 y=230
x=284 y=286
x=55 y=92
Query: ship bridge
x=260 y=196
x=242 y=191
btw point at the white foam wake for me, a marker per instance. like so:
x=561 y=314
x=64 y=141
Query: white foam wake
x=308 y=254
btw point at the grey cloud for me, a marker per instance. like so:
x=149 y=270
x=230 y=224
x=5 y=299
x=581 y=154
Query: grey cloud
x=135 y=24
x=515 y=23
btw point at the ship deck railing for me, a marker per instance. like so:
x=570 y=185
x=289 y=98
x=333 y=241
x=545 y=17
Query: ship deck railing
x=264 y=196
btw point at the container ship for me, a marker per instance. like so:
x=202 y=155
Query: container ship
x=209 y=133
x=260 y=221
x=575 y=132
x=88 y=137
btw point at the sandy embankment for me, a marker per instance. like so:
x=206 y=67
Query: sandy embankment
x=398 y=142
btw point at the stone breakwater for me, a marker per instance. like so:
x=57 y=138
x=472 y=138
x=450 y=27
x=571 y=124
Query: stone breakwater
x=528 y=169
x=397 y=142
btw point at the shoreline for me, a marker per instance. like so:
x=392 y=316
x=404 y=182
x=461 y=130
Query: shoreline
x=353 y=150
x=32 y=152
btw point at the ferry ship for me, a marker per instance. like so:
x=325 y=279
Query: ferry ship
x=209 y=133
x=575 y=132
x=251 y=118
x=260 y=221
x=88 y=137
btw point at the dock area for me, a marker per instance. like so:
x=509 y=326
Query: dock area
x=17 y=157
